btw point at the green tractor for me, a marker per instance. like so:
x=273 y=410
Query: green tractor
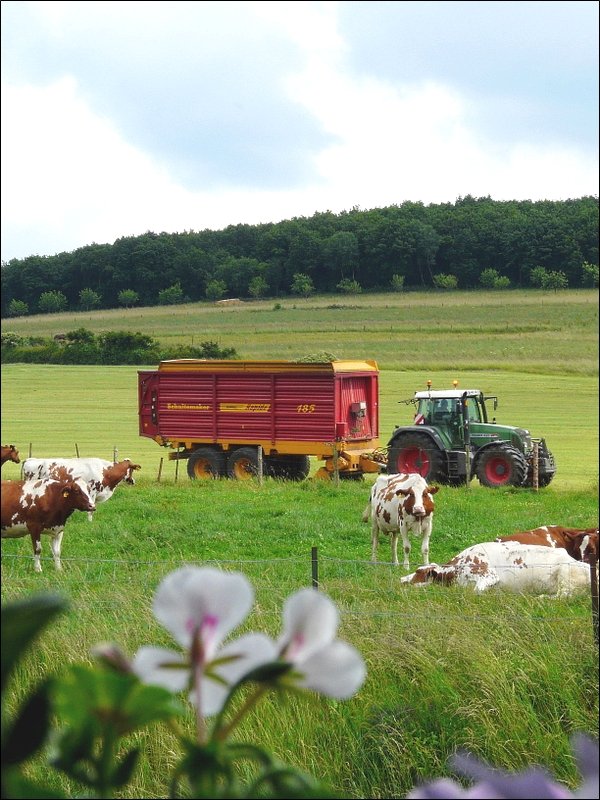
x=452 y=439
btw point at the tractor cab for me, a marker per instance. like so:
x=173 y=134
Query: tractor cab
x=449 y=411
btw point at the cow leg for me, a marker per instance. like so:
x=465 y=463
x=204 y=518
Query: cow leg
x=406 y=546
x=425 y=549
x=394 y=540
x=37 y=551
x=55 y=544
x=374 y=540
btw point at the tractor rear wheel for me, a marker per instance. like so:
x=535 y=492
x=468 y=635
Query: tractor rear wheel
x=501 y=465
x=417 y=453
x=205 y=463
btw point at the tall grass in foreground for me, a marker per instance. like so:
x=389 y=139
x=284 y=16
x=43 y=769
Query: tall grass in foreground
x=508 y=677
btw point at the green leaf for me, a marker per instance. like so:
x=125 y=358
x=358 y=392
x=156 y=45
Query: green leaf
x=104 y=697
x=22 y=621
x=28 y=731
x=72 y=745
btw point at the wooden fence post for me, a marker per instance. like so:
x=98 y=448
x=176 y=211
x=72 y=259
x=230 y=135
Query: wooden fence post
x=77 y=449
x=336 y=468
x=259 y=459
x=159 y=471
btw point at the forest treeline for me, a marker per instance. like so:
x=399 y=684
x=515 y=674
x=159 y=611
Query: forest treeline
x=472 y=243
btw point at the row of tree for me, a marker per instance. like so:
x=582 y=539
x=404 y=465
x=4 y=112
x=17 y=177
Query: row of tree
x=471 y=243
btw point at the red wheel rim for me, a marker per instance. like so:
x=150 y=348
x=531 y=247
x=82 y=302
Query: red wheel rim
x=497 y=471
x=414 y=459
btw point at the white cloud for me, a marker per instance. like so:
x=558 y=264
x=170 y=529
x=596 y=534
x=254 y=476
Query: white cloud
x=71 y=176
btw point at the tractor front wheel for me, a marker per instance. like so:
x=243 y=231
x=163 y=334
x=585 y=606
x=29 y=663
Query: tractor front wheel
x=416 y=453
x=501 y=465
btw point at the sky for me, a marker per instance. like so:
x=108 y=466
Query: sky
x=120 y=118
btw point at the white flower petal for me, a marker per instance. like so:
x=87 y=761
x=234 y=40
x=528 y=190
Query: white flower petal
x=202 y=597
x=310 y=621
x=336 y=670
x=252 y=650
x=148 y=664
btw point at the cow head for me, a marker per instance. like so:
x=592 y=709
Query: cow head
x=418 y=500
x=582 y=545
x=10 y=453
x=77 y=494
x=129 y=473
x=431 y=573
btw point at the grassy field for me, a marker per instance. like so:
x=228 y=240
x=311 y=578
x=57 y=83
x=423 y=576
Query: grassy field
x=519 y=331
x=508 y=677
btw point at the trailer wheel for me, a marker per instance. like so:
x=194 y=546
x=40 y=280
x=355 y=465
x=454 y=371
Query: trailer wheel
x=242 y=463
x=205 y=463
x=290 y=468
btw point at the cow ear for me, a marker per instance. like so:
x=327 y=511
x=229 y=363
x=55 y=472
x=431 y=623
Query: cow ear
x=433 y=489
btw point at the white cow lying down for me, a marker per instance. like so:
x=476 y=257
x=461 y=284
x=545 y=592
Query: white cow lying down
x=512 y=566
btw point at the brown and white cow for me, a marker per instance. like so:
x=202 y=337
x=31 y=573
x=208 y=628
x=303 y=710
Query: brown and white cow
x=581 y=544
x=9 y=453
x=401 y=503
x=512 y=566
x=102 y=477
x=41 y=506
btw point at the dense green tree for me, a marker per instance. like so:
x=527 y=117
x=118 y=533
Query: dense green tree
x=17 y=308
x=589 y=274
x=348 y=286
x=555 y=279
x=441 y=281
x=89 y=299
x=397 y=283
x=215 y=289
x=258 y=287
x=52 y=302
x=491 y=279
x=302 y=285
x=171 y=296
x=128 y=298
x=125 y=347
x=537 y=276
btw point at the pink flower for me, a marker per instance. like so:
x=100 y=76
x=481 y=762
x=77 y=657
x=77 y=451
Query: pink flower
x=321 y=662
x=200 y=607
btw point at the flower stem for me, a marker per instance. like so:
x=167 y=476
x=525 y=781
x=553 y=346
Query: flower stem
x=222 y=733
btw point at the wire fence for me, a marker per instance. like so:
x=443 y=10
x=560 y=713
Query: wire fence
x=365 y=592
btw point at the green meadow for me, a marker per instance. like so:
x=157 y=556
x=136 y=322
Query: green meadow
x=508 y=677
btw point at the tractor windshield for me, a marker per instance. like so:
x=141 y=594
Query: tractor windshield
x=443 y=411
x=474 y=410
